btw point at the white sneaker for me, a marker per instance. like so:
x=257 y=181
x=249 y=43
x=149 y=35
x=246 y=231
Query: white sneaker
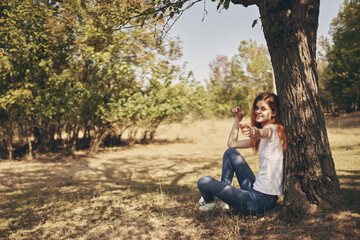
x=213 y=206
x=202 y=201
x=209 y=207
x=224 y=206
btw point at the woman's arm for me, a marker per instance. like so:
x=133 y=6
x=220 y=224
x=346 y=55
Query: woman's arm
x=233 y=141
x=254 y=132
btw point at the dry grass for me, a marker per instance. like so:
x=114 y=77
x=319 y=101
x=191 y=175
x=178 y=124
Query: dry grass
x=149 y=192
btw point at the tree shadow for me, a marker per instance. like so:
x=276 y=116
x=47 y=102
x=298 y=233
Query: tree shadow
x=124 y=191
x=350 y=187
x=33 y=196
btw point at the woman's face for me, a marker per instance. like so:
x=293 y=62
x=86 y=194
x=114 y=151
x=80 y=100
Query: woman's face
x=263 y=112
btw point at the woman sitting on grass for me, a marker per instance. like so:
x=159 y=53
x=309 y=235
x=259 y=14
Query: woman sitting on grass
x=267 y=136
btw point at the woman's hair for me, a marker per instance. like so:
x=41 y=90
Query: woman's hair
x=273 y=102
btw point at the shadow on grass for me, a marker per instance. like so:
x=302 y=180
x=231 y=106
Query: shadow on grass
x=34 y=201
x=348 y=147
x=350 y=186
x=33 y=198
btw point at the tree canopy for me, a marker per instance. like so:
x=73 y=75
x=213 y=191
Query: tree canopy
x=82 y=67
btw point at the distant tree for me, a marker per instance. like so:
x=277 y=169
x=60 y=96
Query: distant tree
x=238 y=81
x=344 y=58
x=322 y=69
x=225 y=91
x=253 y=62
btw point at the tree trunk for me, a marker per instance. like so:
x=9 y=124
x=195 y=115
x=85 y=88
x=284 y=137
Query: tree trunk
x=290 y=29
x=28 y=139
x=9 y=145
x=99 y=137
x=52 y=131
x=75 y=139
x=9 y=138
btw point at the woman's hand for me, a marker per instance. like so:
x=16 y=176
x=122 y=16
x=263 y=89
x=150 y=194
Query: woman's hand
x=245 y=129
x=238 y=112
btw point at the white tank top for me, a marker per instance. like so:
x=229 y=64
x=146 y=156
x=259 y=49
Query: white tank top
x=270 y=178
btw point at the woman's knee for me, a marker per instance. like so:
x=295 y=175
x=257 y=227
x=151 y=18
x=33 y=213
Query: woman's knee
x=232 y=152
x=203 y=181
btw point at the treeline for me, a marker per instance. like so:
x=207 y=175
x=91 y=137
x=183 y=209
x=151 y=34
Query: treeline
x=72 y=77
x=339 y=64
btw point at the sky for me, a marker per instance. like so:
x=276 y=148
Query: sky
x=221 y=33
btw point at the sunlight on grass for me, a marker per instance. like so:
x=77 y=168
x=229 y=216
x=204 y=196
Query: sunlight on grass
x=149 y=191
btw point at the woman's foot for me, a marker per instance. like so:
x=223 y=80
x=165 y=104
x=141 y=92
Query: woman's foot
x=209 y=207
x=202 y=201
x=212 y=205
x=224 y=206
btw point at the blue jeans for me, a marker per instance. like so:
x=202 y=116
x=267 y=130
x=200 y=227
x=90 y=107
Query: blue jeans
x=246 y=199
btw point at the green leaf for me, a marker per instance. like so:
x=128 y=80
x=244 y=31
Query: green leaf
x=226 y=4
x=254 y=23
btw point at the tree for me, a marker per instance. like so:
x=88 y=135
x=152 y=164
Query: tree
x=238 y=81
x=290 y=30
x=253 y=61
x=323 y=73
x=344 y=58
x=225 y=90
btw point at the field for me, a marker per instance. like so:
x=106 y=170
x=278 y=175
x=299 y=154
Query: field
x=149 y=191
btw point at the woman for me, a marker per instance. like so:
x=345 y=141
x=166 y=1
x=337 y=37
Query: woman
x=265 y=135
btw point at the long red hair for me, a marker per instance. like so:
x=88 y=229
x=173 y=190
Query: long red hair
x=273 y=102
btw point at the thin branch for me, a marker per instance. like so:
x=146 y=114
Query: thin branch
x=167 y=26
x=162 y=9
x=205 y=12
x=148 y=13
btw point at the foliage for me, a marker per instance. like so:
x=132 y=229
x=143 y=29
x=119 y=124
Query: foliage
x=344 y=58
x=322 y=66
x=239 y=80
x=75 y=67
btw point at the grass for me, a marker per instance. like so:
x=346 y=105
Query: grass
x=149 y=191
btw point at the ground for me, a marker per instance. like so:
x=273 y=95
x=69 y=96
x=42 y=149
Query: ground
x=149 y=191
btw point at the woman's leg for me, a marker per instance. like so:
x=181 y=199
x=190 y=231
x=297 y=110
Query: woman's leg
x=234 y=162
x=249 y=202
x=210 y=188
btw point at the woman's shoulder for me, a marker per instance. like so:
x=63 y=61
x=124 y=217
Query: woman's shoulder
x=271 y=125
x=274 y=133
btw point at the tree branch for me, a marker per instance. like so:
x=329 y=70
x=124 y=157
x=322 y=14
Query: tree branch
x=245 y=3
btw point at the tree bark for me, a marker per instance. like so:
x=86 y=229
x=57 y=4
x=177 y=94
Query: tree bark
x=290 y=29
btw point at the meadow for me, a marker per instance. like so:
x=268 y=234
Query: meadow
x=148 y=191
